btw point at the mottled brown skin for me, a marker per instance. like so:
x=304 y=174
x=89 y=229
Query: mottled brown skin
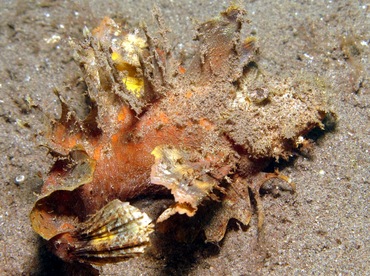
x=187 y=111
x=125 y=173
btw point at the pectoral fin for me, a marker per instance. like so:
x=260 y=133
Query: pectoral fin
x=116 y=232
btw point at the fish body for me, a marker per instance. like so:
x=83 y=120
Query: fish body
x=202 y=134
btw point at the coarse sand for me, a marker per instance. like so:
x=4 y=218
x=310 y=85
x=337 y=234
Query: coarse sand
x=322 y=229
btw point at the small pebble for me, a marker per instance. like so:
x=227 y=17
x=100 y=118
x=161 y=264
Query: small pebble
x=19 y=179
x=258 y=95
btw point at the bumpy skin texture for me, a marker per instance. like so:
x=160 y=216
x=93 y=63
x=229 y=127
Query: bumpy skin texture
x=205 y=133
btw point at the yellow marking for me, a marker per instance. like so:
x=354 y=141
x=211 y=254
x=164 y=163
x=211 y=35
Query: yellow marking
x=134 y=85
x=116 y=56
x=157 y=152
x=106 y=238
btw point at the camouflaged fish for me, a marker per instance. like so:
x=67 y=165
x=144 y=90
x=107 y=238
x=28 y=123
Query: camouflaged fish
x=204 y=133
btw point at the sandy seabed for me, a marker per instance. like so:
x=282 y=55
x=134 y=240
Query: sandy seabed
x=323 y=229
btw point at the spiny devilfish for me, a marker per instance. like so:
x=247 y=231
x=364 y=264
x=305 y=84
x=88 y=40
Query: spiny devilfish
x=205 y=133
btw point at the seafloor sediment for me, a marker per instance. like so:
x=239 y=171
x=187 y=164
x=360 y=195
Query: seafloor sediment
x=320 y=229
